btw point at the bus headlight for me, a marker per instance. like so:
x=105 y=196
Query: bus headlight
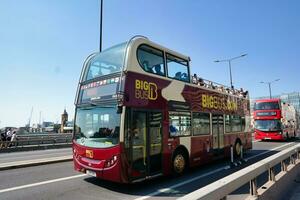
x=111 y=162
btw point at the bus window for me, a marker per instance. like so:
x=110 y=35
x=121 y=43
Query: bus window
x=106 y=62
x=236 y=123
x=228 y=123
x=178 y=68
x=151 y=60
x=180 y=124
x=201 y=123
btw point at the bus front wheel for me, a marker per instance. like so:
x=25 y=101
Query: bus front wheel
x=179 y=162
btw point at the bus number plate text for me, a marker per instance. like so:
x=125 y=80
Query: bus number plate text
x=91 y=173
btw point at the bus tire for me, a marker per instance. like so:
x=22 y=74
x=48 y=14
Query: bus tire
x=179 y=162
x=237 y=148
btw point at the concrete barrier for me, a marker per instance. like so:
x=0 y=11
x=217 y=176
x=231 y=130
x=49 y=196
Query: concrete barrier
x=289 y=160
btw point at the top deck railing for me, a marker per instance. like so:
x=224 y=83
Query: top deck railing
x=219 y=87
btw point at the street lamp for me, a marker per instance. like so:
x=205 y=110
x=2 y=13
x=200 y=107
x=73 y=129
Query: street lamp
x=101 y=16
x=269 y=83
x=229 y=63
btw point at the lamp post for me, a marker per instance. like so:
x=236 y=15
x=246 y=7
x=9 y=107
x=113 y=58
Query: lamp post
x=101 y=16
x=269 y=84
x=229 y=63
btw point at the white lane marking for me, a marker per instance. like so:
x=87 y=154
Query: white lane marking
x=269 y=150
x=40 y=183
x=203 y=175
x=179 y=184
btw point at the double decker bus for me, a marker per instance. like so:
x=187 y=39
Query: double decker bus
x=274 y=120
x=139 y=114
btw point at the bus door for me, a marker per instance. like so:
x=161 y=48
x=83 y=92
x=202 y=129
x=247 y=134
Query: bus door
x=146 y=143
x=218 y=131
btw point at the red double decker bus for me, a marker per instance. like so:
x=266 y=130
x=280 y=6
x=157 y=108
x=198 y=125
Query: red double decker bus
x=139 y=114
x=274 y=120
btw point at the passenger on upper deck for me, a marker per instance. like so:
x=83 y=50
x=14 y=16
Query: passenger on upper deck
x=147 y=66
x=195 y=79
x=178 y=76
x=158 y=70
x=184 y=77
x=200 y=81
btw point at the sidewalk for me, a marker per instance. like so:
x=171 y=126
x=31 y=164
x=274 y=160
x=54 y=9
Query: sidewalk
x=32 y=158
x=296 y=191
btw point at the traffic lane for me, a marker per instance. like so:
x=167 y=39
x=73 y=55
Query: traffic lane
x=28 y=175
x=92 y=188
x=259 y=147
x=65 y=190
x=32 y=175
x=266 y=145
x=30 y=155
x=108 y=190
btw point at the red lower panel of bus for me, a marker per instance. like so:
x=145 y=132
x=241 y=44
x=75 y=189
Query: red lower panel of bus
x=260 y=135
x=101 y=163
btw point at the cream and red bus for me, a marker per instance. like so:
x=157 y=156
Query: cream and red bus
x=140 y=114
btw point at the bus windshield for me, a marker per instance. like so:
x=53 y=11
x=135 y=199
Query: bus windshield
x=266 y=105
x=268 y=125
x=106 y=62
x=97 y=127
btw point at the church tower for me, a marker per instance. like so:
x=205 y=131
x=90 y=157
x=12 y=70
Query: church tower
x=64 y=119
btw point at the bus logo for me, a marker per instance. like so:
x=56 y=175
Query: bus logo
x=89 y=153
x=145 y=90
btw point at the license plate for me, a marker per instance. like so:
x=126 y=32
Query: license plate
x=91 y=173
x=267 y=138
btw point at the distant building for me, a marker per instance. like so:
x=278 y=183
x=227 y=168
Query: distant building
x=66 y=126
x=64 y=119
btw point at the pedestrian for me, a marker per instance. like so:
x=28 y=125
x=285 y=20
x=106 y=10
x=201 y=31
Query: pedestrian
x=14 y=136
x=8 y=134
x=3 y=139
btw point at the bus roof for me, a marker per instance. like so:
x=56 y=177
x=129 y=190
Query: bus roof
x=268 y=100
x=144 y=40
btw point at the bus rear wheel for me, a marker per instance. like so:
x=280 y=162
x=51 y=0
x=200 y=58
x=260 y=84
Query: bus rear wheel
x=237 y=149
x=179 y=163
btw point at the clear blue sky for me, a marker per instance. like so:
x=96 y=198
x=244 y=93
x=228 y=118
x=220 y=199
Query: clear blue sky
x=44 y=43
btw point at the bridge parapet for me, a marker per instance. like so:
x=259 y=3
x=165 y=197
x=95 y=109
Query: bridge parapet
x=289 y=160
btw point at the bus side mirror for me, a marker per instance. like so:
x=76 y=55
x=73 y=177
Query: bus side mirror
x=119 y=109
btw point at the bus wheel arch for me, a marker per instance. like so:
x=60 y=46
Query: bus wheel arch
x=180 y=160
x=237 y=148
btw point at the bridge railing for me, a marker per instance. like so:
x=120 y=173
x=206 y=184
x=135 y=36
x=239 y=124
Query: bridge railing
x=37 y=140
x=220 y=189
